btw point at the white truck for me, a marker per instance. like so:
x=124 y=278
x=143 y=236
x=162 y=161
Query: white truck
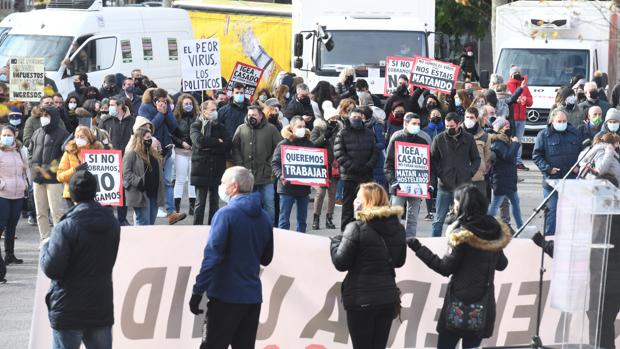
x=551 y=41
x=329 y=36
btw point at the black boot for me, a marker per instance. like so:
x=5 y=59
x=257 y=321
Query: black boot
x=315 y=222
x=328 y=222
x=177 y=204
x=10 y=259
x=192 y=203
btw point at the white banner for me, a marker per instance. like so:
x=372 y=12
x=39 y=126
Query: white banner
x=301 y=289
x=27 y=78
x=200 y=65
x=107 y=167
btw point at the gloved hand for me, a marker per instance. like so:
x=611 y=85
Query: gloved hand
x=82 y=167
x=194 y=304
x=394 y=187
x=414 y=244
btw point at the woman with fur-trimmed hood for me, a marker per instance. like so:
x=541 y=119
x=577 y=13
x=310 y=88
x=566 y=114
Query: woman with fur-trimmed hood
x=476 y=242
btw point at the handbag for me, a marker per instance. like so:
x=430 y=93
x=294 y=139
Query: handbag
x=468 y=317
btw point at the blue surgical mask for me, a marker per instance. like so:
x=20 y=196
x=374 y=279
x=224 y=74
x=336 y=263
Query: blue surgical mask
x=613 y=127
x=8 y=140
x=457 y=103
x=15 y=122
x=413 y=129
x=238 y=99
x=113 y=111
x=287 y=95
x=188 y=108
x=221 y=191
x=560 y=126
x=3 y=78
x=129 y=89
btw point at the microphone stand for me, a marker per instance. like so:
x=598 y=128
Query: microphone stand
x=536 y=342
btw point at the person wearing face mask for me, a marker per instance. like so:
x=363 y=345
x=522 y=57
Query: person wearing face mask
x=592 y=123
x=71 y=161
x=555 y=151
x=471 y=124
x=467 y=62
x=301 y=105
x=345 y=87
x=592 y=98
x=454 y=161
x=46 y=151
x=430 y=102
x=361 y=86
x=402 y=95
x=261 y=97
x=395 y=119
x=186 y=113
x=274 y=115
x=233 y=114
x=435 y=125
x=108 y=88
x=240 y=241
x=519 y=108
x=210 y=145
x=566 y=100
x=295 y=134
x=33 y=123
x=15 y=119
x=130 y=92
x=411 y=133
x=371 y=123
x=357 y=155
x=611 y=124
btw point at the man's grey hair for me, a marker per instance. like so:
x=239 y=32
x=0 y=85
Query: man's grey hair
x=242 y=176
x=590 y=85
x=554 y=113
x=302 y=87
x=365 y=99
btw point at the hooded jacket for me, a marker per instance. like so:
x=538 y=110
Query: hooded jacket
x=164 y=124
x=356 y=153
x=32 y=124
x=79 y=259
x=240 y=241
x=69 y=161
x=253 y=149
x=120 y=131
x=14 y=172
x=476 y=248
x=369 y=250
x=276 y=162
x=520 y=110
x=504 y=170
x=556 y=149
x=208 y=153
x=455 y=159
x=142 y=122
x=233 y=115
x=46 y=149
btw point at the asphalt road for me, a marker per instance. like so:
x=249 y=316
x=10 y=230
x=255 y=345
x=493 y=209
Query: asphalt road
x=17 y=295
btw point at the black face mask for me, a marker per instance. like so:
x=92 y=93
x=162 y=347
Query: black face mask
x=147 y=143
x=348 y=80
x=304 y=100
x=431 y=106
x=452 y=131
x=401 y=90
x=517 y=77
x=594 y=95
x=435 y=120
x=77 y=85
x=399 y=115
x=508 y=132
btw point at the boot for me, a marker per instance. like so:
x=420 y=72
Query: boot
x=10 y=259
x=328 y=222
x=315 y=222
x=192 y=203
x=175 y=217
x=177 y=204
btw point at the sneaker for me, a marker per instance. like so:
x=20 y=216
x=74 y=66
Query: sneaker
x=522 y=167
x=429 y=217
x=175 y=217
x=161 y=213
x=32 y=221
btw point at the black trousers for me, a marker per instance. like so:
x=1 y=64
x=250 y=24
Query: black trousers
x=231 y=324
x=610 y=309
x=370 y=329
x=201 y=201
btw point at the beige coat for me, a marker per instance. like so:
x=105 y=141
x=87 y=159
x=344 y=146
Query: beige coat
x=483 y=143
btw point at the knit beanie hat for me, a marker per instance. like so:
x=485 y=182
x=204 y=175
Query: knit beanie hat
x=83 y=186
x=612 y=114
x=500 y=123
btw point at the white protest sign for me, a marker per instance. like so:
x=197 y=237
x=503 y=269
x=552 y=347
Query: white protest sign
x=248 y=75
x=434 y=75
x=395 y=67
x=305 y=166
x=27 y=79
x=106 y=166
x=200 y=65
x=413 y=169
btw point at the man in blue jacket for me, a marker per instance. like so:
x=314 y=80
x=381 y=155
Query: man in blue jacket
x=556 y=149
x=79 y=258
x=240 y=240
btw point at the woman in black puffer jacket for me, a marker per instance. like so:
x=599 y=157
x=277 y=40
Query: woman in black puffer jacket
x=477 y=241
x=186 y=111
x=370 y=248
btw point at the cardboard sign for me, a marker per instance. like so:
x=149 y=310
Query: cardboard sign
x=305 y=166
x=27 y=79
x=248 y=75
x=396 y=66
x=412 y=164
x=107 y=167
x=200 y=65
x=434 y=75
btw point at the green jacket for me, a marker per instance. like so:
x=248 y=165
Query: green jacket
x=254 y=147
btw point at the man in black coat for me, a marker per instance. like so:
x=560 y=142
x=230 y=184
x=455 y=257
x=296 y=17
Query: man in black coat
x=357 y=155
x=301 y=105
x=79 y=258
x=129 y=92
x=211 y=144
x=233 y=114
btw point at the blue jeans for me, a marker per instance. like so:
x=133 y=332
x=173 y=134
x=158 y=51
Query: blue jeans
x=286 y=206
x=519 y=132
x=168 y=182
x=93 y=338
x=449 y=341
x=552 y=206
x=497 y=200
x=443 y=201
x=267 y=199
x=10 y=210
x=413 y=211
x=146 y=215
x=339 y=190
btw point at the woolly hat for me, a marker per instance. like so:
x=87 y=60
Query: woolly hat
x=328 y=110
x=500 y=123
x=612 y=114
x=514 y=69
x=83 y=186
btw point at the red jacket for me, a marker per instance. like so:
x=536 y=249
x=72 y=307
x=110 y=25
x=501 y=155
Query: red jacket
x=519 y=108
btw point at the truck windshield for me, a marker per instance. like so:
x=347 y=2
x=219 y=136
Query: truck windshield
x=545 y=67
x=52 y=48
x=348 y=50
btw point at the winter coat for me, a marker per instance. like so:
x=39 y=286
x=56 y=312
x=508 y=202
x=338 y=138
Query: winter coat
x=455 y=159
x=46 y=149
x=120 y=131
x=504 y=170
x=604 y=129
x=133 y=176
x=276 y=162
x=483 y=144
x=32 y=124
x=400 y=136
x=356 y=153
x=369 y=250
x=142 y=122
x=182 y=133
x=585 y=105
x=604 y=159
x=253 y=149
x=380 y=144
x=164 y=124
x=520 y=110
x=295 y=107
x=324 y=136
x=69 y=161
x=556 y=149
x=208 y=153
x=79 y=259
x=433 y=129
x=136 y=101
x=240 y=241
x=468 y=65
x=14 y=172
x=588 y=130
x=476 y=248
x=233 y=115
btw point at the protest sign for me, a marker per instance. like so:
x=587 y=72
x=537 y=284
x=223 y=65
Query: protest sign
x=200 y=65
x=305 y=166
x=248 y=75
x=413 y=169
x=27 y=78
x=434 y=75
x=106 y=166
x=396 y=66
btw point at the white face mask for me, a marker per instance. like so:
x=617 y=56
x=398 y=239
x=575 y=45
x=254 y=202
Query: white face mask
x=45 y=120
x=300 y=132
x=469 y=123
x=72 y=106
x=81 y=142
x=470 y=53
x=221 y=191
x=212 y=116
x=413 y=129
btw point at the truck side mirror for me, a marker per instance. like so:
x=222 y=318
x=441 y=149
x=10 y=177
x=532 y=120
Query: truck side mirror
x=298 y=50
x=298 y=63
x=485 y=78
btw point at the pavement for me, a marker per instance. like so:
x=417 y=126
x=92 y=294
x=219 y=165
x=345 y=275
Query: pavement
x=17 y=295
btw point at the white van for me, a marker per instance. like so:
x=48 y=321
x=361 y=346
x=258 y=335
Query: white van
x=99 y=41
